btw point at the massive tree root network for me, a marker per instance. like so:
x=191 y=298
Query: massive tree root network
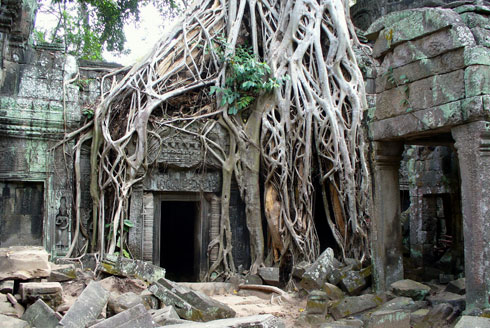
x=306 y=130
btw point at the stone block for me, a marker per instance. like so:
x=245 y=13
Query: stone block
x=21 y=262
x=270 y=275
x=10 y=322
x=473 y=322
x=6 y=307
x=354 y=304
x=253 y=279
x=208 y=307
x=353 y=283
x=417 y=316
x=161 y=316
x=149 y=300
x=316 y=274
x=456 y=286
x=477 y=55
x=40 y=315
x=482 y=36
x=7 y=286
x=353 y=323
x=473 y=20
x=50 y=292
x=477 y=80
x=135 y=317
x=421 y=69
x=118 y=304
x=62 y=272
x=439 y=316
x=317 y=302
x=410 y=288
x=256 y=321
x=455 y=300
x=398 y=303
x=122 y=266
x=418 y=23
x=333 y=292
x=428 y=47
x=87 y=307
x=389 y=319
x=422 y=94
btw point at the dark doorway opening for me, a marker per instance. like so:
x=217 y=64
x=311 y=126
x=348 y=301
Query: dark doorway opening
x=178 y=240
x=323 y=229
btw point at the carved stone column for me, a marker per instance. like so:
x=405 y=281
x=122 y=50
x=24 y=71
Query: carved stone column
x=386 y=230
x=473 y=147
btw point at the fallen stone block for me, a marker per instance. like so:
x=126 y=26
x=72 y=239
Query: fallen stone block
x=417 y=316
x=117 y=304
x=6 y=307
x=256 y=321
x=122 y=266
x=353 y=283
x=333 y=292
x=215 y=288
x=270 y=275
x=439 y=316
x=19 y=309
x=40 y=315
x=389 y=319
x=410 y=288
x=399 y=303
x=149 y=300
x=473 y=322
x=354 y=304
x=161 y=316
x=209 y=308
x=317 y=302
x=316 y=274
x=300 y=269
x=455 y=300
x=87 y=307
x=62 y=272
x=7 y=286
x=344 y=323
x=253 y=279
x=457 y=287
x=135 y=317
x=21 y=262
x=50 y=292
x=10 y=322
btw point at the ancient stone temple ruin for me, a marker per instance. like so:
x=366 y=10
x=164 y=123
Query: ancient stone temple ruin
x=429 y=125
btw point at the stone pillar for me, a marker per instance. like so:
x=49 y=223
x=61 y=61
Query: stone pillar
x=473 y=147
x=386 y=230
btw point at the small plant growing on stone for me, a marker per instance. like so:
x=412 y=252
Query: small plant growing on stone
x=403 y=81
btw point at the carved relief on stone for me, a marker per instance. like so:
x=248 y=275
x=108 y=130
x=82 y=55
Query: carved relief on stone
x=62 y=224
x=183 y=181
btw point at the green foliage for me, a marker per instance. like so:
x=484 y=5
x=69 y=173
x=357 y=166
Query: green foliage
x=247 y=78
x=127 y=224
x=88 y=113
x=403 y=81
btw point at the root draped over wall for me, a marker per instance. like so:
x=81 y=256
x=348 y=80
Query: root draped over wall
x=308 y=128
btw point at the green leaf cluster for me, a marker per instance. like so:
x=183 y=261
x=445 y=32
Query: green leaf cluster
x=247 y=78
x=127 y=224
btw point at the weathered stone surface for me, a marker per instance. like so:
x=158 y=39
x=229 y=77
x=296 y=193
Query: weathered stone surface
x=426 y=93
x=478 y=55
x=300 y=268
x=270 y=275
x=473 y=322
x=316 y=274
x=149 y=300
x=354 y=304
x=354 y=323
x=256 y=321
x=418 y=23
x=135 y=317
x=456 y=286
x=439 y=316
x=477 y=80
x=253 y=279
x=482 y=36
x=455 y=300
x=389 y=319
x=333 y=292
x=19 y=262
x=212 y=288
x=398 y=303
x=87 y=307
x=353 y=283
x=19 y=309
x=118 y=304
x=6 y=307
x=410 y=288
x=40 y=315
x=417 y=316
x=7 y=286
x=161 y=316
x=210 y=308
x=49 y=292
x=317 y=302
x=473 y=20
x=62 y=272
x=10 y=322
x=122 y=266
x=421 y=69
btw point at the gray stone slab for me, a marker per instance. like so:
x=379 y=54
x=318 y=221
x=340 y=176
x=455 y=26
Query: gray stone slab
x=353 y=283
x=10 y=322
x=50 y=292
x=118 y=304
x=22 y=262
x=122 y=266
x=389 y=319
x=455 y=300
x=473 y=322
x=7 y=286
x=256 y=321
x=162 y=316
x=354 y=304
x=87 y=307
x=410 y=288
x=135 y=317
x=41 y=315
x=316 y=274
x=456 y=286
x=270 y=275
